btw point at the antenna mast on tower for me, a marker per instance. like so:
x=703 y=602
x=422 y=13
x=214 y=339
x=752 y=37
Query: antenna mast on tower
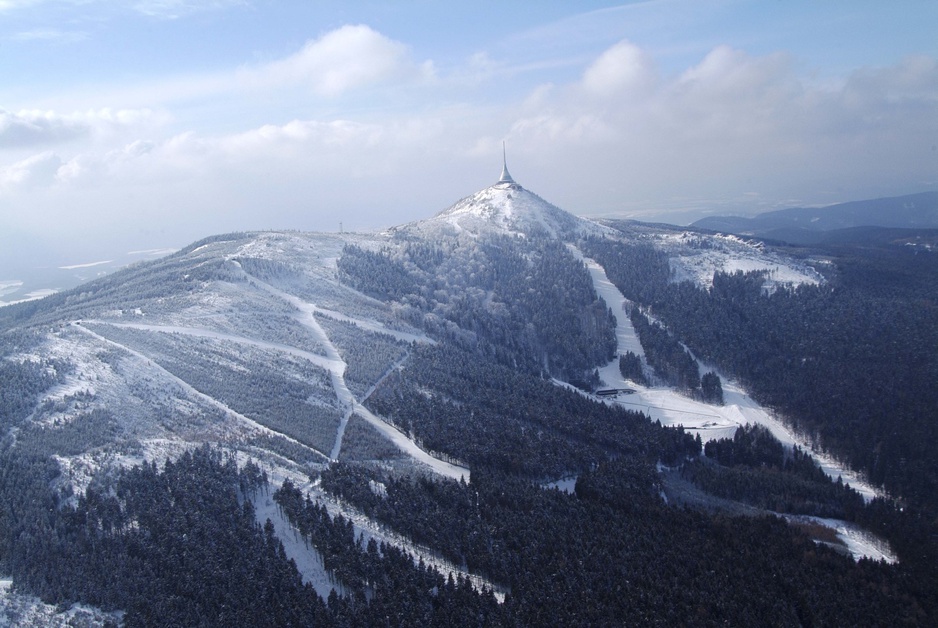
x=505 y=178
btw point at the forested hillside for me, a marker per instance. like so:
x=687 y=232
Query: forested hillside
x=849 y=362
x=527 y=303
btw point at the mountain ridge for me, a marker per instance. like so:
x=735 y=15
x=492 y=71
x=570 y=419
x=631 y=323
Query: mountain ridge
x=911 y=211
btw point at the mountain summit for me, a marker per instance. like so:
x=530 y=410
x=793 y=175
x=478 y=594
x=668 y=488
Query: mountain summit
x=505 y=208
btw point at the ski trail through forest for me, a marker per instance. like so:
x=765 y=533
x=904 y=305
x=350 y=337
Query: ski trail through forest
x=709 y=421
x=345 y=396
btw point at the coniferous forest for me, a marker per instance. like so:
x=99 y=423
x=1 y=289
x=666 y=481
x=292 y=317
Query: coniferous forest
x=850 y=362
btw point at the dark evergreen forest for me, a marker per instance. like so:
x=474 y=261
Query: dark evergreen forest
x=526 y=303
x=180 y=545
x=614 y=554
x=851 y=363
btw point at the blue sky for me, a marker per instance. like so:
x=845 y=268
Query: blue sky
x=130 y=125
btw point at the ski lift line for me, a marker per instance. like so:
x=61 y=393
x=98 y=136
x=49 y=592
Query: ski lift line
x=645 y=405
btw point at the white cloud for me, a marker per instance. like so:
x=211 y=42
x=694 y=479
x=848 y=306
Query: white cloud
x=728 y=125
x=11 y=5
x=573 y=128
x=620 y=135
x=30 y=128
x=913 y=80
x=164 y=9
x=340 y=63
x=36 y=171
x=33 y=127
x=174 y=9
x=622 y=69
x=343 y=59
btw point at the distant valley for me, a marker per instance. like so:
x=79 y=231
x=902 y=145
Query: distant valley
x=30 y=280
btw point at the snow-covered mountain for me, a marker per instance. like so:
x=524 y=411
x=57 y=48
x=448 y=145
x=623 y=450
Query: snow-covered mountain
x=473 y=340
x=170 y=349
x=505 y=208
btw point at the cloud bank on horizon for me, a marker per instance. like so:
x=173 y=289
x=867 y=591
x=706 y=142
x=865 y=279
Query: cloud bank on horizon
x=154 y=123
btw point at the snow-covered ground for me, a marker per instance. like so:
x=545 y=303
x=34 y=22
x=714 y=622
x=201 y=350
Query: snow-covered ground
x=859 y=542
x=328 y=363
x=250 y=424
x=209 y=309
x=506 y=210
x=12 y=287
x=377 y=327
x=626 y=339
x=311 y=567
x=86 y=265
x=213 y=313
x=308 y=560
x=9 y=286
x=26 y=611
x=696 y=257
x=404 y=443
x=410 y=448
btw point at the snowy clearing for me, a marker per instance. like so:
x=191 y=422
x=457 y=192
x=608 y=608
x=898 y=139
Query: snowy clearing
x=308 y=560
x=88 y=265
x=626 y=339
x=376 y=327
x=17 y=609
x=859 y=542
x=311 y=569
x=696 y=257
x=328 y=363
x=247 y=422
x=10 y=285
x=410 y=448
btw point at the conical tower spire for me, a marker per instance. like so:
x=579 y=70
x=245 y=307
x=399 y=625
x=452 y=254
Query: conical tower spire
x=505 y=178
